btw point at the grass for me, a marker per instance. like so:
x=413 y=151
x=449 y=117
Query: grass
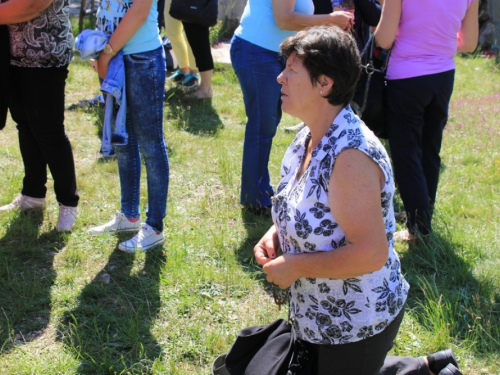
x=74 y=304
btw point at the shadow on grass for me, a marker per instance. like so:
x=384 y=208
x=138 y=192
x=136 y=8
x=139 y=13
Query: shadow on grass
x=110 y=329
x=195 y=116
x=26 y=279
x=446 y=297
x=256 y=226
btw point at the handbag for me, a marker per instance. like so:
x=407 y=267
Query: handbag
x=369 y=97
x=268 y=349
x=258 y=350
x=200 y=12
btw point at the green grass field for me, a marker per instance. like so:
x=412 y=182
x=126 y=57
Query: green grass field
x=174 y=309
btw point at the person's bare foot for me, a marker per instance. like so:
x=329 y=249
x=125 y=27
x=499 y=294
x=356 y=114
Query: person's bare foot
x=200 y=94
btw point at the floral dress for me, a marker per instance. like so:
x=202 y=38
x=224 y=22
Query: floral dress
x=335 y=311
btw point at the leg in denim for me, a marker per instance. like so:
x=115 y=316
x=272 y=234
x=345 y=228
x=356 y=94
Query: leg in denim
x=257 y=69
x=145 y=81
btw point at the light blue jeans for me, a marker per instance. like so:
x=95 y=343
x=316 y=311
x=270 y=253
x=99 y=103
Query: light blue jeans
x=257 y=69
x=145 y=76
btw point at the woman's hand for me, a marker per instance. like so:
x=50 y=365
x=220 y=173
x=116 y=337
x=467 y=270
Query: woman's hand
x=267 y=248
x=344 y=20
x=103 y=64
x=281 y=271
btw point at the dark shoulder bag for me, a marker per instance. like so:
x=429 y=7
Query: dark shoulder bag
x=200 y=12
x=259 y=350
x=369 y=97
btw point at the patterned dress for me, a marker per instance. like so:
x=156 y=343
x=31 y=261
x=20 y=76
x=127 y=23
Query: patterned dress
x=334 y=311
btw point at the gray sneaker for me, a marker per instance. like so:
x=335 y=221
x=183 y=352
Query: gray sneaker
x=146 y=239
x=119 y=224
x=24 y=203
x=67 y=218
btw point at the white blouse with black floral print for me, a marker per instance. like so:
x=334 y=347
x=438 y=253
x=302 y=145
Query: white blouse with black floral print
x=334 y=311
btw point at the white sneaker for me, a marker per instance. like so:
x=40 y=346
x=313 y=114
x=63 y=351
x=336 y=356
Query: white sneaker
x=120 y=223
x=146 y=239
x=24 y=203
x=67 y=218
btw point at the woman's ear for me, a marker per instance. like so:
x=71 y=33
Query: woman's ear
x=326 y=84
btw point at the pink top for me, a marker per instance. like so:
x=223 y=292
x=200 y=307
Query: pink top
x=426 y=40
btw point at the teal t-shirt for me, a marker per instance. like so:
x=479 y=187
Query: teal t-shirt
x=147 y=38
x=258 y=26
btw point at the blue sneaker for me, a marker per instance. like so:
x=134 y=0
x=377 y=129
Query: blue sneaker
x=191 y=81
x=177 y=76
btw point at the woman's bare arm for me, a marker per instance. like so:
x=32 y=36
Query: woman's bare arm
x=287 y=19
x=385 y=33
x=469 y=32
x=16 y=11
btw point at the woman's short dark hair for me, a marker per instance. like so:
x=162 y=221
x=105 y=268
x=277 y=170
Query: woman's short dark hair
x=329 y=51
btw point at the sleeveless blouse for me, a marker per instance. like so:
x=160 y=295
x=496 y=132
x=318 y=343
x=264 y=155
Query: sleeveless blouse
x=323 y=310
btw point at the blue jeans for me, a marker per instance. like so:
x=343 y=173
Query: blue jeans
x=257 y=69
x=145 y=83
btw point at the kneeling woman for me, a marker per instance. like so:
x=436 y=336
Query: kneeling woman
x=334 y=220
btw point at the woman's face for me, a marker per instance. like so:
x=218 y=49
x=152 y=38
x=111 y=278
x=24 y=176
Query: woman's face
x=299 y=95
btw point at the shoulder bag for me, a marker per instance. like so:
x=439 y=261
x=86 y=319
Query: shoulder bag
x=200 y=12
x=369 y=97
x=262 y=350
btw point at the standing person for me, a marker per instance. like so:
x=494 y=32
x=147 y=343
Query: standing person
x=134 y=31
x=198 y=37
x=256 y=61
x=41 y=51
x=187 y=74
x=420 y=78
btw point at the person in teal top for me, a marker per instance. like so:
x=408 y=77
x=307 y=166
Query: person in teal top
x=256 y=61
x=134 y=31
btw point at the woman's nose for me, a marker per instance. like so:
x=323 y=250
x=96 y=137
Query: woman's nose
x=280 y=78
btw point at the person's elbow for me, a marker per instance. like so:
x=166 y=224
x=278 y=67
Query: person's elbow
x=377 y=256
x=34 y=8
x=467 y=46
x=384 y=43
x=283 y=22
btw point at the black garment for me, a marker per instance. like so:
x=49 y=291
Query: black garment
x=161 y=9
x=198 y=37
x=37 y=106
x=4 y=74
x=417 y=111
x=365 y=357
x=322 y=6
x=366 y=13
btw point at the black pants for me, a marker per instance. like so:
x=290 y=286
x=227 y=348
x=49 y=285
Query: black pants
x=417 y=111
x=199 y=39
x=366 y=357
x=37 y=106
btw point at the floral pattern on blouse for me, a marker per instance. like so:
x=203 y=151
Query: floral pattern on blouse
x=45 y=41
x=334 y=311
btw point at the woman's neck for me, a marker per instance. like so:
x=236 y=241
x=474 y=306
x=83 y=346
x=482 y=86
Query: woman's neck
x=320 y=122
